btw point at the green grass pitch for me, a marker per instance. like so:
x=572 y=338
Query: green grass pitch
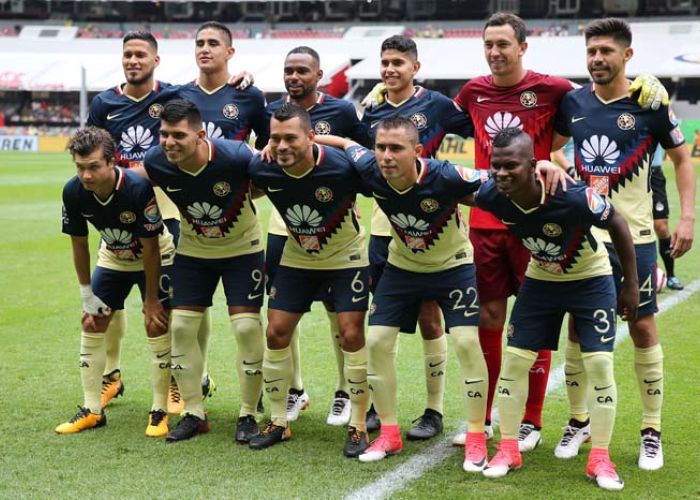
x=40 y=387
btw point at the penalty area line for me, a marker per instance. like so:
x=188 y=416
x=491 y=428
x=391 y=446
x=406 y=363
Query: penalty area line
x=415 y=467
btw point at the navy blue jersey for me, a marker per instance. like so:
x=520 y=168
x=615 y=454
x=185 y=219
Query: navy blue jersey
x=218 y=216
x=128 y=214
x=229 y=113
x=557 y=232
x=434 y=114
x=331 y=116
x=428 y=232
x=614 y=143
x=317 y=209
x=134 y=124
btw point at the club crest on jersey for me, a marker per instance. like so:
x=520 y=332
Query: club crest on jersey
x=127 y=217
x=429 y=205
x=595 y=202
x=551 y=229
x=625 y=121
x=528 y=99
x=222 y=188
x=155 y=110
x=230 y=111
x=322 y=128
x=151 y=212
x=419 y=120
x=324 y=194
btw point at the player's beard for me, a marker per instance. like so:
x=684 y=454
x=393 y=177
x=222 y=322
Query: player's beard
x=607 y=77
x=140 y=80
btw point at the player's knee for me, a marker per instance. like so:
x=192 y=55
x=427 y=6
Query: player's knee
x=465 y=339
x=381 y=339
x=95 y=324
x=277 y=336
x=643 y=332
x=430 y=321
x=492 y=314
x=661 y=228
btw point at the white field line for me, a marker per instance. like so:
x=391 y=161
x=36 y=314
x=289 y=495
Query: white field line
x=398 y=478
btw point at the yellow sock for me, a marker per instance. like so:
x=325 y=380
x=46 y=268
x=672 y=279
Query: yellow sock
x=356 y=377
x=92 y=363
x=160 y=370
x=337 y=349
x=475 y=377
x=576 y=382
x=203 y=339
x=382 y=347
x=649 y=365
x=435 y=366
x=113 y=341
x=294 y=344
x=512 y=389
x=603 y=391
x=186 y=358
x=277 y=372
x=247 y=330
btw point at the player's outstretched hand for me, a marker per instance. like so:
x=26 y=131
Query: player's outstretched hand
x=682 y=238
x=155 y=318
x=652 y=93
x=266 y=154
x=376 y=97
x=628 y=301
x=242 y=80
x=553 y=176
x=92 y=304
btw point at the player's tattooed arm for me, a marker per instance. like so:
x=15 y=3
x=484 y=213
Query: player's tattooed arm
x=242 y=80
x=628 y=300
x=682 y=237
x=155 y=316
x=552 y=175
x=334 y=141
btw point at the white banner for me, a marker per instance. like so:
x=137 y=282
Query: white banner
x=19 y=143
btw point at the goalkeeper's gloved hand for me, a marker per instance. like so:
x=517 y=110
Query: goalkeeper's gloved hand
x=375 y=98
x=652 y=93
x=92 y=304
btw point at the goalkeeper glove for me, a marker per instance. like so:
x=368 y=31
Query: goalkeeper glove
x=92 y=304
x=652 y=93
x=376 y=97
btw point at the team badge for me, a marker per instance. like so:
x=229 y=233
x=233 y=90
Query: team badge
x=419 y=120
x=595 y=202
x=151 y=212
x=324 y=194
x=154 y=110
x=625 y=121
x=528 y=99
x=429 y=205
x=310 y=243
x=322 y=128
x=230 y=111
x=127 y=217
x=222 y=188
x=551 y=229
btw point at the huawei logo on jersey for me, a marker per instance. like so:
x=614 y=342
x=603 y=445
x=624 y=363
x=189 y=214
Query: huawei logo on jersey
x=303 y=215
x=600 y=148
x=116 y=236
x=501 y=121
x=213 y=132
x=136 y=137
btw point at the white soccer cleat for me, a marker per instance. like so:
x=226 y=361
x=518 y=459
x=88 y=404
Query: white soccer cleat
x=339 y=413
x=572 y=440
x=529 y=438
x=381 y=448
x=507 y=459
x=296 y=403
x=651 y=454
x=460 y=438
x=475 y=453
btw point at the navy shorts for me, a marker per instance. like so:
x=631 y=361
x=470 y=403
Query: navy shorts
x=273 y=255
x=294 y=289
x=536 y=319
x=646 y=273
x=113 y=287
x=399 y=294
x=658 y=194
x=378 y=254
x=194 y=280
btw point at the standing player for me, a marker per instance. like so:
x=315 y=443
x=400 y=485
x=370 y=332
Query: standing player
x=614 y=141
x=314 y=187
x=122 y=207
x=434 y=115
x=221 y=240
x=302 y=72
x=569 y=273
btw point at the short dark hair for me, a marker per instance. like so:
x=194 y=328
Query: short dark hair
x=507 y=18
x=146 y=36
x=181 y=109
x=291 y=110
x=303 y=49
x=618 y=29
x=87 y=140
x=216 y=25
x=508 y=136
x=400 y=121
x=401 y=43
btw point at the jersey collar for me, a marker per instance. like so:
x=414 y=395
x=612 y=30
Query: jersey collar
x=210 y=157
x=320 y=97
x=422 y=172
x=209 y=92
x=120 y=91
x=603 y=101
x=319 y=156
x=121 y=179
x=417 y=93
x=543 y=200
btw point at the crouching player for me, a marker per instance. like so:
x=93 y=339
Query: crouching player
x=121 y=205
x=569 y=272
